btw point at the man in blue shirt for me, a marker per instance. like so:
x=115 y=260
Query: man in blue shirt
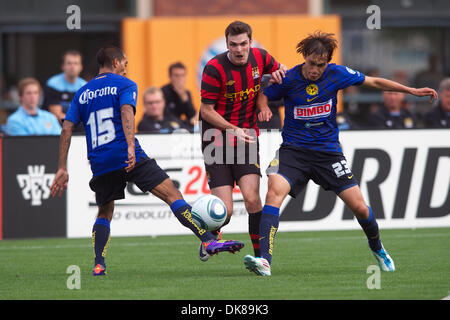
x=60 y=89
x=311 y=148
x=106 y=107
x=29 y=119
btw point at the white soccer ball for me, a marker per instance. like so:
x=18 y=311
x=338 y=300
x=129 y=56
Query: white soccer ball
x=209 y=212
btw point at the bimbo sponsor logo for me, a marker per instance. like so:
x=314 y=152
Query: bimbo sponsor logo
x=313 y=111
x=89 y=95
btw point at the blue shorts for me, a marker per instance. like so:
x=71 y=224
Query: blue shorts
x=298 y=166
x=111 y=186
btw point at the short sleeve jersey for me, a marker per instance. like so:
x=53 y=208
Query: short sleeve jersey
x=97 y=105
x=310 y=106
x=233 y=89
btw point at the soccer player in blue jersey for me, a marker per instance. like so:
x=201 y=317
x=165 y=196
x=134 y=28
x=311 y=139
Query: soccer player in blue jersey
x=311 y=148
x=106 y=107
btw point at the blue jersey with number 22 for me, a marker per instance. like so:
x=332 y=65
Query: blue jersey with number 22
x=97 y=105
x=310 y=106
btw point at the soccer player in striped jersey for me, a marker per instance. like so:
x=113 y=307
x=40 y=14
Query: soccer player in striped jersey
x=228 y=113
x=311 y=148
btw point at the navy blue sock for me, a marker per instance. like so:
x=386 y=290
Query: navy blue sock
x=268 y=227
x=182 y=210
x=100 y=239
x=370 y=227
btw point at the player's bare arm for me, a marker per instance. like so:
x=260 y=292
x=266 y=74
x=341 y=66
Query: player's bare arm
x=62 y=177
x=389 y=85
x=262 y=103
x=278 y=75
x=213 y=117
x=127 y=114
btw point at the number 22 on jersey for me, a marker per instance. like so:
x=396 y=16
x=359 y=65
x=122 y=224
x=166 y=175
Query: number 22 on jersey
x=101 y=127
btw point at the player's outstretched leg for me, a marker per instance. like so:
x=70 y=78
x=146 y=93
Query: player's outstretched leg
x=101 y=236
x=353 y=198
x=167 y=192
x=267 y=231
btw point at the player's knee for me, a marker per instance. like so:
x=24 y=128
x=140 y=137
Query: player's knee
x=360 y=210
x=252 y=203
x=274 y=197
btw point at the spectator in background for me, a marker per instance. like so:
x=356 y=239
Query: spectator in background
x=155 y=120
x=61 y=88
x=439 y=116
x=430 y=77
x=178 y=98
x=391 y=115
x=29 y=119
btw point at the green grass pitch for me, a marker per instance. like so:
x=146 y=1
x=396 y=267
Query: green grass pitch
x=306 y=265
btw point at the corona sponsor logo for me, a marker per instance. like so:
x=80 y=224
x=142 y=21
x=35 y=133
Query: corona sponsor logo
x=90 y=95
x=313 y=111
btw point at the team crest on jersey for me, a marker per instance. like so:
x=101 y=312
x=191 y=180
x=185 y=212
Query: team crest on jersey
x=312 y=89
x=255 y=72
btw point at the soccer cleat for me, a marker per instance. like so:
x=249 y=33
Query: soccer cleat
x=202 y=254
x=216 y=246
x=384 y=260
x=99 y=270
x=260 y=266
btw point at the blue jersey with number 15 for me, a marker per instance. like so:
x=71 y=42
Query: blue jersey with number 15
x=97 y=105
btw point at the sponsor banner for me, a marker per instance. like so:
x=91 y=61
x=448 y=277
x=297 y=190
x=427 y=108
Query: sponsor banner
x=404 y=177
x=29 y=166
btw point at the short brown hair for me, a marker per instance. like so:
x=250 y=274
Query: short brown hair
x=71 y=52
x=319 y=43
x=176 y=65
x=238 y=27
x=25 y=82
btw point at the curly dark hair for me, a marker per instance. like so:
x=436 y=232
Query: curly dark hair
x=319 y=43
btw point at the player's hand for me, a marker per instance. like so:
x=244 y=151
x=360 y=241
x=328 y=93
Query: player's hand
x=424 y=92
x=277 y=76
x=131 y=162
x=264 y=114
x=244 y=135
x=59 y=183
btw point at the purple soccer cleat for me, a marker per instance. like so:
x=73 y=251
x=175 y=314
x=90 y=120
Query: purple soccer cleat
x=217 y=246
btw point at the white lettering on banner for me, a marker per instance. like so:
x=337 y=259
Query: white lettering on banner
x=403 y=176
x=313 y=111
x=89 y=95
x=36 y=184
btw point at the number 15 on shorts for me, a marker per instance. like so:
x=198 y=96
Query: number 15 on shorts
x=341 y=168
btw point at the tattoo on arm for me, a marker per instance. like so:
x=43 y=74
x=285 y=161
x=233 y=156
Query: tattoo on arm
x=64 y=142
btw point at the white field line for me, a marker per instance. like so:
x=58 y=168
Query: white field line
x=169 y=243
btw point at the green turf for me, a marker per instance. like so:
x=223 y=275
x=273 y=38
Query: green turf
x=306 y=265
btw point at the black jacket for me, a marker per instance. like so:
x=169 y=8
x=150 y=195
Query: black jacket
x=437 y=118
x=384 y=119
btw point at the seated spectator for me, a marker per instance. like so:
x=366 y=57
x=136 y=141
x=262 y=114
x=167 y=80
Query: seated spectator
x=344 y=122
x=391 y=115
x=430 y=77
x=439 y=116
x=29 y=119
x=61 y=88
x=154 y=119
x=178 y=98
